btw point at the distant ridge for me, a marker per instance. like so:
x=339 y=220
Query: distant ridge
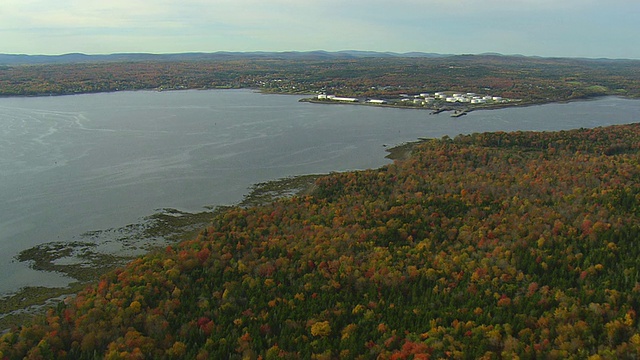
x=76 y=58
x=19 y=59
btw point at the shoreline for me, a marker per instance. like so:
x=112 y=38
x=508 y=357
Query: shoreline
x=81 y=261
x=171 y=226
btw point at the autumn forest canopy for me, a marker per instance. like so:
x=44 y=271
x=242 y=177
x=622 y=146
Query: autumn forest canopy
x=485 y=245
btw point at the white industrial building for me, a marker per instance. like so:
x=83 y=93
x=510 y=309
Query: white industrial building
x=347 y=99
x=336 y=98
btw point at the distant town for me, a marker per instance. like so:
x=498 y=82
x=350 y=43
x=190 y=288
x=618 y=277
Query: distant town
x=459 y=103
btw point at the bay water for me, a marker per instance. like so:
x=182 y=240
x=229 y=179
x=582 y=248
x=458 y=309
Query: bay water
x=76 y=164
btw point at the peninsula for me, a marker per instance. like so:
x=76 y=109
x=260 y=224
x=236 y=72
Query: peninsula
x=458 y=103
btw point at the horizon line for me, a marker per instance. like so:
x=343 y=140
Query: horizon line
x=346 y=51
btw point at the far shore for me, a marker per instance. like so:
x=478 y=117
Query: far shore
x=445 y=107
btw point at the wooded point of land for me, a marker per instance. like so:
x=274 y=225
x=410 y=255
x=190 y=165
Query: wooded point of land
x=491 y=245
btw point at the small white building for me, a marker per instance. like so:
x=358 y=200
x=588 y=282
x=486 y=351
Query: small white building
x=497 y=98
x=377 y=101
x=451 y=99
x=322 y=97
x=424 y=95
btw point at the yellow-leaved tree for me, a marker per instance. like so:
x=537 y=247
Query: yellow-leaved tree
x=321 y=328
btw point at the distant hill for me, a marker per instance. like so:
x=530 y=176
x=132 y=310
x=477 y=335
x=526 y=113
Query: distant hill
x=17 y=59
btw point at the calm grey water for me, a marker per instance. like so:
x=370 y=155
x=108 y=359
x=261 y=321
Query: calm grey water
x=82 y=163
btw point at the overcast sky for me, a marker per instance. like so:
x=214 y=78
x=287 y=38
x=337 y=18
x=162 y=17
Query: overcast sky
x=565 y=28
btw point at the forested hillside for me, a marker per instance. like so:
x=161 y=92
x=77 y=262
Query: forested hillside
x=488 y=245
x=534 y=80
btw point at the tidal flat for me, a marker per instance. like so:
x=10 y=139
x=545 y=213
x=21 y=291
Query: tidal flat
x=87 y=261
